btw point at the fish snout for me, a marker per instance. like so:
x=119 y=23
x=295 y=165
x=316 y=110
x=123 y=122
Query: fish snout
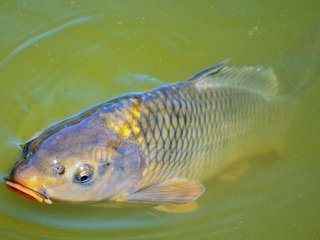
x=24 y=182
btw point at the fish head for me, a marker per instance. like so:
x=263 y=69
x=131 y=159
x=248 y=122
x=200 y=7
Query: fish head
x=85 y=162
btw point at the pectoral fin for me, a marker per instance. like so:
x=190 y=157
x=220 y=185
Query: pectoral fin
x=173 y=191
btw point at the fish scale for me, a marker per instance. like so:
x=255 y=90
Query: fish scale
x=206 y=128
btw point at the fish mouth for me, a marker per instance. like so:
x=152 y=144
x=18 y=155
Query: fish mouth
x=27 y=192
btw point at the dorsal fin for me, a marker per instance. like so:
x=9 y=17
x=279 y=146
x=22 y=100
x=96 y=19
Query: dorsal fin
x=252 y=78
x=208 y=71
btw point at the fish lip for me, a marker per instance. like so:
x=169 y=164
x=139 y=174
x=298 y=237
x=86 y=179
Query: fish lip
x=28 y=191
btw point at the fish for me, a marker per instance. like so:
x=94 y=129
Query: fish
x=157 y=146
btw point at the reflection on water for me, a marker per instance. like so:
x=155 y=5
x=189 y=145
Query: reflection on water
x=57 y=59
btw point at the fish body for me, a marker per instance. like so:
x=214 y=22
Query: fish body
x=157 y=146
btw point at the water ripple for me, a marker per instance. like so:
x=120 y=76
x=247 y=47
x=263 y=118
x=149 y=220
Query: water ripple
x=138 y=81
x=44 y=35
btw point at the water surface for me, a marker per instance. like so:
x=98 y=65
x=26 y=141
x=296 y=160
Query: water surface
x=58 y=58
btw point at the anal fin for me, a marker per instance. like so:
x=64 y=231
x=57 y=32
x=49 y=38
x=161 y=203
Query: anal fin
x=177 y=208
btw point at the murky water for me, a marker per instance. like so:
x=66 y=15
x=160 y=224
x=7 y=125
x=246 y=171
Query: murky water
x=58 y=58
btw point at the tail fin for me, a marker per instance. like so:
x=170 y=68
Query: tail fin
x=301 y=67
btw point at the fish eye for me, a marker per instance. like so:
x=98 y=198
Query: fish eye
x=83 y=174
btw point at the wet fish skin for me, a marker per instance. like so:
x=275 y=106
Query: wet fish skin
x=191 y=131
x=157 y=146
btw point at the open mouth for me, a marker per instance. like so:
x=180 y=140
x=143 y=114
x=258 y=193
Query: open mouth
x=27 y=192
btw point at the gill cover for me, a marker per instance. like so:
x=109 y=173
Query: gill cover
x=128 y=165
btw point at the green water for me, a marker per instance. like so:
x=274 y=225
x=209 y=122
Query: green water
x=60 y=57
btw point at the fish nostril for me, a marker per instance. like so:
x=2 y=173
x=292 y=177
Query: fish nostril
x=59 y=169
